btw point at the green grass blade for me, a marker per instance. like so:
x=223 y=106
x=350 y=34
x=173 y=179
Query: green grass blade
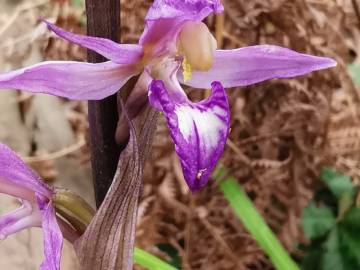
x=149 y=261
x=256 y=225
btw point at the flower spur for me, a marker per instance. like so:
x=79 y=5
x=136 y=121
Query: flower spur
x=174 y=47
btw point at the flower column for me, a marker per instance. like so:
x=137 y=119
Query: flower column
x=103 y=20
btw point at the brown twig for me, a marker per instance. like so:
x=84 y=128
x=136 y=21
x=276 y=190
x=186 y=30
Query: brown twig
x=58 y=154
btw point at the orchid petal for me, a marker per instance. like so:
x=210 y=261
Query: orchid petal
x=117 y=53
x=73 y=80
x=53 y=239
x=165 y=19
x=199 y=130
x=17 y=177
x=24 y=217
x=12 y=217
x=249 y=65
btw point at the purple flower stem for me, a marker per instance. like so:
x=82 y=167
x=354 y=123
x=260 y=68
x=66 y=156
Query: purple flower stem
x=103 y=20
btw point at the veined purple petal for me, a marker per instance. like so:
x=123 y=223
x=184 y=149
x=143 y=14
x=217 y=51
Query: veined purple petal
x=165 y=19
x=53 y=239
x=73 y=80
x=17 y=176
x=249 y=65
x=117 y=53
x=199 y=130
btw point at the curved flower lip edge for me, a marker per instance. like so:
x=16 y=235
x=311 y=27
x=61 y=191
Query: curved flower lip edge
x=17 y=173
x=199 y=130
x=254 y=64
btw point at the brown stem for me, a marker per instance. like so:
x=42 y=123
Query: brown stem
x=103 y=20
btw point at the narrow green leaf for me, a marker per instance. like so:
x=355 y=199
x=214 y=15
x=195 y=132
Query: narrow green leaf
x=256 y=225
x=316 y=221
x=149 y=261
x=338 y=183
x=172 y=252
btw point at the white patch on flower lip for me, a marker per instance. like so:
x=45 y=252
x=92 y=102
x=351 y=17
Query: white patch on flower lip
x=219 y=111
x=186 y=122
x=207 y=124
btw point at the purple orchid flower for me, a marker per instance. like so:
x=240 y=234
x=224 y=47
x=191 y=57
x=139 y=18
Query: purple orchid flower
x=37 y=210
x=175 y=47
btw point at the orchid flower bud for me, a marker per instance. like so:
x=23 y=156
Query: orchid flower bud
x=198 y=45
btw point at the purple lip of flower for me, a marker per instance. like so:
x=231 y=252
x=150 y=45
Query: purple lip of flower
x=175 y=46
x=18 y=180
